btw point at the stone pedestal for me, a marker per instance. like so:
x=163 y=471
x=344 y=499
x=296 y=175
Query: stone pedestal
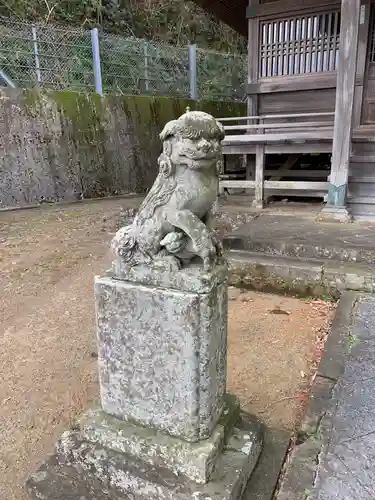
x=166 y=429
x=162 y=351
x=332 y=213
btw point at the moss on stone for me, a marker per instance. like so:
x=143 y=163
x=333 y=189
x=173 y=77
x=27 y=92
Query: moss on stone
x=33 y=102
x=87 y=112
x=31 y=98
x=90 y=145
x=257 y=277
x=230 y=415
x=84 y=111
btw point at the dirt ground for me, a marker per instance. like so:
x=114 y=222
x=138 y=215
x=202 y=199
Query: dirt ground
x=275 y=344
x=48 y=258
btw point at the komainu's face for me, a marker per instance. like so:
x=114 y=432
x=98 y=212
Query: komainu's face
x=195 y=153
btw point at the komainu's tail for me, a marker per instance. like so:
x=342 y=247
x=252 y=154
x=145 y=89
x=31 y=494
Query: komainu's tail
x=124 y=243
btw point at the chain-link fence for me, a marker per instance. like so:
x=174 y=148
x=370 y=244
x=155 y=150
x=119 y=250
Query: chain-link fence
x=75 y=59
x=132 y=66
x=46 y=56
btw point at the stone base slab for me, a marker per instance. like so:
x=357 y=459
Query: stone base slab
x=194 y=460
x=336 y=214
x=86 y=470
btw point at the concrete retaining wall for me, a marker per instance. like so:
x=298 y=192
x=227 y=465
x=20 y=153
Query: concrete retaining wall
x=62 y=146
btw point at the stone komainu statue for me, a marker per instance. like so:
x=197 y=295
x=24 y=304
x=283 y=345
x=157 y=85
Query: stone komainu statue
x=174 y=222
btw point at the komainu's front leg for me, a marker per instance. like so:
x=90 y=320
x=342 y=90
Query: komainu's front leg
x=209 y=220
x=198 y=233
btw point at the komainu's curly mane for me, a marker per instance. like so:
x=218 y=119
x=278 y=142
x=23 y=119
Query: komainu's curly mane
x=159 y=195
x=193 y=126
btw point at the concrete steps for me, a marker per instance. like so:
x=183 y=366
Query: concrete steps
x=300 y=256
x=302 y=277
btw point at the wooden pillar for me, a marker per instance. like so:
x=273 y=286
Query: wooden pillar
x=259 y=177
x=253 y=59
x=252 y=77
x=342 y=134
x=363 y=40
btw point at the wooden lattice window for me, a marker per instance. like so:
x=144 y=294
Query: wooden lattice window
x=371 y=49
x=299 y=45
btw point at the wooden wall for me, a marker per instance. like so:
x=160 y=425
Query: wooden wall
x=361 y=189
x=304 y=101
x=366 y=67
x=310 y=91
x=304 y=90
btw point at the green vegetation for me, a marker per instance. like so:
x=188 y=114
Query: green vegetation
x=177 y=23
x=353 y=340
x=130 y=66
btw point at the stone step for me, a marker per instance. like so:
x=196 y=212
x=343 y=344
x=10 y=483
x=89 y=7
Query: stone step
x=85 y=470
x=303 y=277
x=304 y=238
x=301 y=250
x=196 y=461
x=63 y=482
x=363 y=216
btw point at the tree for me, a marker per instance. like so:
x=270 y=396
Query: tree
x=178 y=22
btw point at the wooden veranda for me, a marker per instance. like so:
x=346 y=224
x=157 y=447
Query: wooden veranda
x=311 y=89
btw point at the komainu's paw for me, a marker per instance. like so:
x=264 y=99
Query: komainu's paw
x=209 y=255
x=209 y=262
x=218 y=244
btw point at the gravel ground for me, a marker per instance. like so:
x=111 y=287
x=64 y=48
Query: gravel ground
x=48 y=258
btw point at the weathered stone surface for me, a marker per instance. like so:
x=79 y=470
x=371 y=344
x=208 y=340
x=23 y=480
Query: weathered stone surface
x=303 y=463
x=270 y=274
x=346 y=462
x=175 y=222
x=303 y=238
x=190 y=279
x=335 y=459
x=263 y=272
x=162 y=355
x=337 y=348
x=301 y=470
x=60 y=146
x=55 y=481
x=349 y=277
x=123 y=476
x=332 y=213
x=227 y=218
x=194 y=460
x=266 y=474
